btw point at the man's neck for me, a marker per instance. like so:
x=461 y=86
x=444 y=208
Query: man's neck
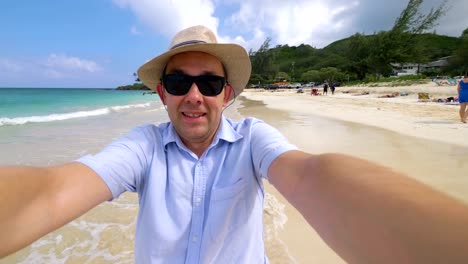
x=198 y=148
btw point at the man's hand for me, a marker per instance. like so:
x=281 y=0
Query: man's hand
x=371 y=214
x=35 y=201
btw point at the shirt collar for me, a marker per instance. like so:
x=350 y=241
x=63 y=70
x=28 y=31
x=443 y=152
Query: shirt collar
x=225 y=132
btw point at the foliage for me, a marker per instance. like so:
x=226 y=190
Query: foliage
x=137 y=79
x=311 y=76
x=283 y=76
x=458 y=63
x=411 y=21
x=256 y=78
x=332 y=74
x=263 y=61
x=358 y=52
x=400 y=44
x=135 y=86
x=360 y=56
x=294 y=60
x=435 y=46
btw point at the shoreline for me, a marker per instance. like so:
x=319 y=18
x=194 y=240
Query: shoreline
x=402 y=114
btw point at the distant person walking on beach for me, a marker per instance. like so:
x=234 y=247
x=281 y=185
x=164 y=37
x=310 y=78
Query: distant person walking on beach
x=325 y=88
x=199 y=180
x=332 y=88
x=462 y=89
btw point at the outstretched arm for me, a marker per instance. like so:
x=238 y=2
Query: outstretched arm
x=35 y=201
x=370 y=214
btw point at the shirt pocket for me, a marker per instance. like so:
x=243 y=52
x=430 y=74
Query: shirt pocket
x=227 y=210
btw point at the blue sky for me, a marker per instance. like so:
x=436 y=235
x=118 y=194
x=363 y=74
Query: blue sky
x=100 y=43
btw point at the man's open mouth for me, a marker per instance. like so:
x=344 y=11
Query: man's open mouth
x=191 y=115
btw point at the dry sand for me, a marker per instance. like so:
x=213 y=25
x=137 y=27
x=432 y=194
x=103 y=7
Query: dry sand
x=402 y=114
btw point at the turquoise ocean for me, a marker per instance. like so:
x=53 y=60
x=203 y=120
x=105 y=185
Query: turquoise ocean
x=20 y=106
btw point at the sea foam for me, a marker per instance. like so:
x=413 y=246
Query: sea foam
x=66 y=116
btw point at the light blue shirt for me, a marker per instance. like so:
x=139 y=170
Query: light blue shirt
x=194 y=210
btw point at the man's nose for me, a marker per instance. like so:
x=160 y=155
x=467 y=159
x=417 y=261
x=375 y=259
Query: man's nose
x=194 y=95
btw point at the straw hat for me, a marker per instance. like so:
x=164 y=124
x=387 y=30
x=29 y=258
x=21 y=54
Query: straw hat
x=235 y=59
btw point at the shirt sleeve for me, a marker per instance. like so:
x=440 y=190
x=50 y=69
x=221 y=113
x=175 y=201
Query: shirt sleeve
x=267 y=143
x=123 y=164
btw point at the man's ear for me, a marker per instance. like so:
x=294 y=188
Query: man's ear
x=160 y=91
x=228 y=90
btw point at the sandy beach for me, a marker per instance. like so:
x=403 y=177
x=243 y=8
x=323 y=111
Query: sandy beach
x=426 y=140
x=402 y=114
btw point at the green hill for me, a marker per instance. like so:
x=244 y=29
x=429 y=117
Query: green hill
x=294 y=61
x=135 y=86
x=434 y=46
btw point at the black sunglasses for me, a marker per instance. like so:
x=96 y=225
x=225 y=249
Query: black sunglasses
x=179 y=84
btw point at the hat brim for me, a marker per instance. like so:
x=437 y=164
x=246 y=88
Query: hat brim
x=234 y=58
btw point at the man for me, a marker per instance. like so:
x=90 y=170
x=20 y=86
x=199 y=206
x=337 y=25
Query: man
x=199 y=180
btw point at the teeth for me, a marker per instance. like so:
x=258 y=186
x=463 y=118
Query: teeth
x=192 y=115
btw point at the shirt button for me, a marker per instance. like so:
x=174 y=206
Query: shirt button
x=195 y=239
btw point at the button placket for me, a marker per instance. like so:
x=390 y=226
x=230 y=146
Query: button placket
x=197 y=215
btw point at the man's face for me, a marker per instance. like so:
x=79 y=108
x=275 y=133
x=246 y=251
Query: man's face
x=195 y=117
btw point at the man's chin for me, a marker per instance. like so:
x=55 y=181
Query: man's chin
x=194 y=136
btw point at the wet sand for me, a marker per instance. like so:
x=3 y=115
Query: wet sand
x=423 y=140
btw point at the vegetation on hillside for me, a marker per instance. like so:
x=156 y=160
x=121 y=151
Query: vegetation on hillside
x=364 y=57
x=138 y=85
x=458 y=63
x=135 y=86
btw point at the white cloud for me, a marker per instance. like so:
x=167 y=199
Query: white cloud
x=7 y=65
x=68 y=63
x=54 y=74
x=169 y=16
x=52 y=67
x=292 y=22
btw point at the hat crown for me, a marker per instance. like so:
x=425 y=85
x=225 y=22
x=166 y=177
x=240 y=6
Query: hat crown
x=234 y=57
x=193 y=35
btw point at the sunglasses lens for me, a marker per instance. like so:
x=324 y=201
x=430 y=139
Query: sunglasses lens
x=176 y=84
x=210 y=85
x=179 y=84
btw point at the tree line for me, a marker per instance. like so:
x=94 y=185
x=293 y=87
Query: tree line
x=365 y=57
